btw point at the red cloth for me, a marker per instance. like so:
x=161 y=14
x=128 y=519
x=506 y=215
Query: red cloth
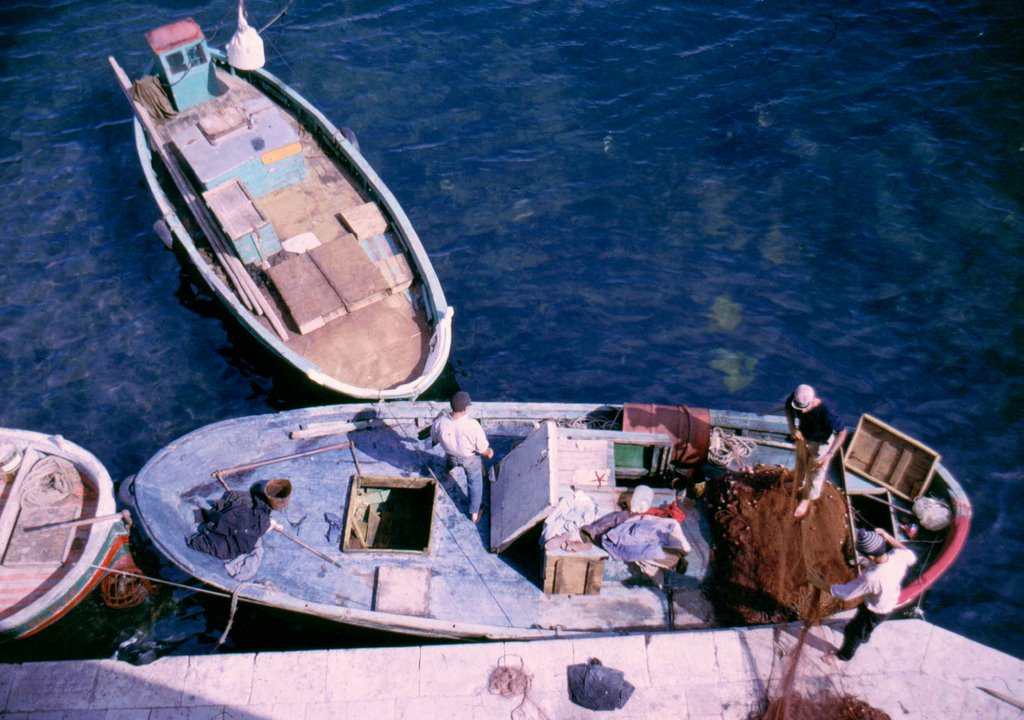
x=668 y=510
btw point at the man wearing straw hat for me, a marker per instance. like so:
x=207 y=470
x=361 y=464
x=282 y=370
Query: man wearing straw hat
x=464 y=443
x=879 y=586
x=819 y=433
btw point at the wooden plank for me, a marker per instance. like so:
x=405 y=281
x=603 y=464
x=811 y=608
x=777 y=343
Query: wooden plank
x=881 y=466
x=397 y=272
x=309 y=297
x=364 y=220
x=350 y=272
x=896 y=477
x=573 y=573
x=393 y=264
x=9 y=515
x=234 y=209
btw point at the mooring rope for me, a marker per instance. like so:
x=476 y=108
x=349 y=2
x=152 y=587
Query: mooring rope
x=235 y=594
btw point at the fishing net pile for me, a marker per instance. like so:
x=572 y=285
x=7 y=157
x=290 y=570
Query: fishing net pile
x=761 y=553
x=784 y=700
x=831 y=707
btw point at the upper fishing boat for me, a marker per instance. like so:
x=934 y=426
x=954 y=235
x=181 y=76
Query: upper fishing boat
x=58 y=529
x=598 y=518
x=284 y=219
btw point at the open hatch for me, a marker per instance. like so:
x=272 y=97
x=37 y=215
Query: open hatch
x=390 y=513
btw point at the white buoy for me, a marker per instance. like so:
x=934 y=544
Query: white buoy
x=245 y=51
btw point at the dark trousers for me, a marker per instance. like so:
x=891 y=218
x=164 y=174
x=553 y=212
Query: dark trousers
x=858 y=631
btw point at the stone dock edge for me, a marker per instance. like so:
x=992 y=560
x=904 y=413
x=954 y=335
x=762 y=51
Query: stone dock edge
x=911 y=670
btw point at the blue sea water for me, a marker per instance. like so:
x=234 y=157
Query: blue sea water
x=682 y=202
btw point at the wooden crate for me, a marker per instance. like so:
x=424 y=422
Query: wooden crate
x=573 y=573
x=885 y=456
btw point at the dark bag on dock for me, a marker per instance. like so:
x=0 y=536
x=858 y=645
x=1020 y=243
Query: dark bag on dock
x=596 y=687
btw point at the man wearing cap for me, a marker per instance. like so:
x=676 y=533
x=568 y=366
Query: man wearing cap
x=879 y=585
x=819 y=432
x=464 y=443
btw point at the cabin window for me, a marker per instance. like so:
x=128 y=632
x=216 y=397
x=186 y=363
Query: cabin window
x=181 y=61
x=390 y=514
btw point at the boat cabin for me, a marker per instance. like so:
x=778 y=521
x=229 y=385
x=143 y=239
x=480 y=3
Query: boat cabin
x=183 y=59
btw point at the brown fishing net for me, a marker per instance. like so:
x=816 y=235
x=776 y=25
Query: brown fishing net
x=838 y=707
x=761 y=552
x=760 y=557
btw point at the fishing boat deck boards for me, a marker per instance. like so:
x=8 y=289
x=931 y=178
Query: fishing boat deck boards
x=377 y=334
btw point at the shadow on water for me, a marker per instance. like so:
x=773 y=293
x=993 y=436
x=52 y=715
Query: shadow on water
x=183 y=622
x=280 y=385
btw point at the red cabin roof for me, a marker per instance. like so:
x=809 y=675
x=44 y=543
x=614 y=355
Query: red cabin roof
x=174 y=35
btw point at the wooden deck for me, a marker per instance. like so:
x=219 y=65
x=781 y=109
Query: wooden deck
x=353 y=305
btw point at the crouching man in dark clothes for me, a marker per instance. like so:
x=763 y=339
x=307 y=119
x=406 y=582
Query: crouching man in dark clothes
x=879 y=586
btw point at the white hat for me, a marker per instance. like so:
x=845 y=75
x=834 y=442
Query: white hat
x=803 y=397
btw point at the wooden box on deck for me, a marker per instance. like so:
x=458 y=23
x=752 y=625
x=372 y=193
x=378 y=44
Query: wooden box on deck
x=884 y=455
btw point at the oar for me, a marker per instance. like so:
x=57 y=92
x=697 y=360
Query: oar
x=775 y=444
x=1003 y=696
x=124 y=515
x=260 y=463
x=275 y=526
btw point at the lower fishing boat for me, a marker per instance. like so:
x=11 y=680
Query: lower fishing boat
x=348 y=513
x=58 y=529
x=283 y=218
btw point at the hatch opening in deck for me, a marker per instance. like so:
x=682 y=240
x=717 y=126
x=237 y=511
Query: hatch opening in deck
x=390 y=513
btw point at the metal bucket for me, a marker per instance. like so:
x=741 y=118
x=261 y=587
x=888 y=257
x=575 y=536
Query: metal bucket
x=278 y=492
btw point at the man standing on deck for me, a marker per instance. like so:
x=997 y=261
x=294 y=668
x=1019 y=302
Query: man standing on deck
x=879 y=585
x=819 y=432
x=464 y=443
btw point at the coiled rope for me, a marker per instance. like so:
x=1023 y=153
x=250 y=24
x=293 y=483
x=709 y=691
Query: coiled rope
x=50 y=482
x=725 y=448
x=510 y=682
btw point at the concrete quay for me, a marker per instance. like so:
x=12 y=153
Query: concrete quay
x=911 y=669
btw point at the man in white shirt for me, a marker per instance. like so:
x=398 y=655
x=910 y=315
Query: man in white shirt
x=464 y=443
x=879 y=585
